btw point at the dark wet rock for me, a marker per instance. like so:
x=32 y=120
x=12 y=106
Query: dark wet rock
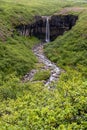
x=58 y=25
x=29 y=76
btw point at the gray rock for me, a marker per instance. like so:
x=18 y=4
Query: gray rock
x=48 y=65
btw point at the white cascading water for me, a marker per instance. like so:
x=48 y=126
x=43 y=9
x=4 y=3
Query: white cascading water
x=47 y=30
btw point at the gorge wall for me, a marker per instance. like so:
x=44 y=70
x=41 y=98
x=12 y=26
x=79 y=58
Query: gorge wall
x=58 y=25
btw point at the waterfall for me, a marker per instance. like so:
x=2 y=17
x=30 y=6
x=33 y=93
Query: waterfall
x=47 y=30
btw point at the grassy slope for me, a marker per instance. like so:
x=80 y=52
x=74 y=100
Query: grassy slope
x=31 y=106
x=13 y=13
x=70 y=50
x=13 y=58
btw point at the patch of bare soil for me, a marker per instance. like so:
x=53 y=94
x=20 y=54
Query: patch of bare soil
x=71 y=9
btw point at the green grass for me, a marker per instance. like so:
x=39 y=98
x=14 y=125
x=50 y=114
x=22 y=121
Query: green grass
x=16 y=56
x=42 y=75
x=31 y=106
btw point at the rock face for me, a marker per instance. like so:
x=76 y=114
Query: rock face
x=58 y=25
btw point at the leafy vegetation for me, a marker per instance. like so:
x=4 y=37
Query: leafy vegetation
x=31 y=106
x=42 y=75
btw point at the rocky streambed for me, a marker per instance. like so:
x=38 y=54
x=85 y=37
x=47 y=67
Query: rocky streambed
x=47 y=65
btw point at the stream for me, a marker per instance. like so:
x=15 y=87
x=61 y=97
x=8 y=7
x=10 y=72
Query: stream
x=48 y=65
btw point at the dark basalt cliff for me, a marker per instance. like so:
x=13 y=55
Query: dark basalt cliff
x=58 y=25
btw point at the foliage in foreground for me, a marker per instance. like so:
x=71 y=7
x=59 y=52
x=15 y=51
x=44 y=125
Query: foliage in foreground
x=31 y=106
